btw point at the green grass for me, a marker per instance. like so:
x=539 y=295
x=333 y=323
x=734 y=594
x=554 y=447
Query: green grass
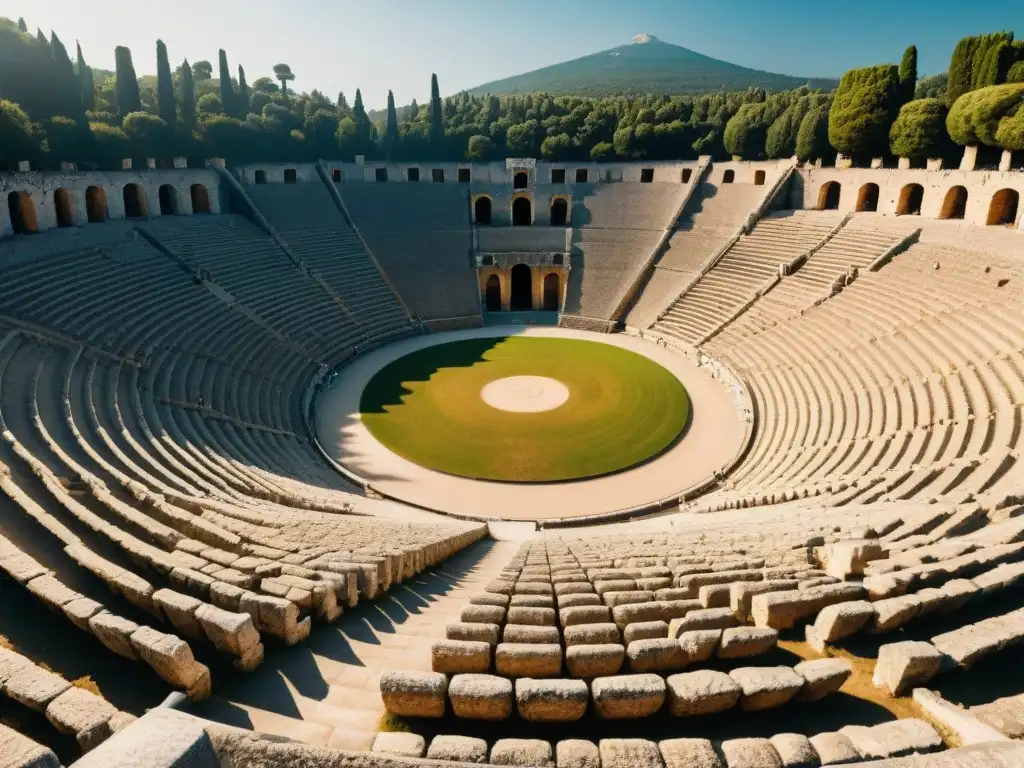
x=623 y=409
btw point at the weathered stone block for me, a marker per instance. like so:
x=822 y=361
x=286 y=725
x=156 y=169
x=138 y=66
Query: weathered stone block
x=414 y=694
x=528 y=659
x=630 y=753
x=822 y=677
x=531 y=753
x=742 y=642
x=766 y=687
x=538 y=617
x=487 y=633
x=700 y=644
x=594 y=660
x=835 y=748
x=399 y=744
x=551 y=701
x=584 y=614
x=452 y=657
x=795 y=750
x=750 y=753
x=480 y=697
x=460 y=749
x=529 y=633
x=81 y=714
x=484 y=614
x=906 y=665
x=645 y=630
x=627 y=696
x=701 y=692
x=846 y=559
x=591 y=634
x=689 y=753
x=577 y=753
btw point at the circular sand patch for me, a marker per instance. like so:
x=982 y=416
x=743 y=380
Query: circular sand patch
x=525 y=394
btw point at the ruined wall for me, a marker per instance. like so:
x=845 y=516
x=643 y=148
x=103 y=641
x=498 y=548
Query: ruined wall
x=274 y=173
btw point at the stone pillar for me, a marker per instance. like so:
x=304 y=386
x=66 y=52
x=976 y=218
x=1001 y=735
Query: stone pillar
x=24 y=166
x=69 y=167
x=818 y=163
x=1006 y=161
x=126 y=164
x=877 y=162
x=216 y=162
x=904 y=164
x=970 y=159
x=934 y=163
x=180 y=162
x=843 y=162
x=151 y=163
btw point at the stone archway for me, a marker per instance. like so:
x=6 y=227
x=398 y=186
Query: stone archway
x=65 y=211
x=482 y=210
x=1002 y=211
x=290 y=176
x=867 y=198
x=134 y=202
x=520 y=180
x=911 y=198
x=559 y=212
x=23 y=213
x=168 y=200
x=522 y=212
x=954 y=206
x=729 y=177
x=828 y=196
x=492 y=294
x=551 y=292
x=96 y=204
x=759 y=177
x=522 y=288
x=200 y=198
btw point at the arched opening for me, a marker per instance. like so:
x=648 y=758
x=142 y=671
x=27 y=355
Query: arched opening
x=759 y=178
x=261 y=177
x=867 y=198
x=200 y=199
x=551 y=292
x=168 y=200
x=289 y=176
x=492 y=298
x=519 y=180
x=1002 y=211
x=729 y=177
x=828 y=196
x=96 y=204
x=482 y=210
x=65 y=212
x=134 y=201
x=23 y=212
x=911 y=197
x=687 y=173
x=522 y=288
x=954 y=206
x=522 y=212
x=559 y=212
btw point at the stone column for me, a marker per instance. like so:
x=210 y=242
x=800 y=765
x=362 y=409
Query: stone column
x=970 y=159
x=843 y=161
x=934 y=163
x=1006 y=160
x=904 y=164
x=877 y=162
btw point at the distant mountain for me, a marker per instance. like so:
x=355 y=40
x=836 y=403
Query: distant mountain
x=647 y=65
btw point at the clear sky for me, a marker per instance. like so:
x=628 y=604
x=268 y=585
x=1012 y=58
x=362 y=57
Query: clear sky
x=375 y=45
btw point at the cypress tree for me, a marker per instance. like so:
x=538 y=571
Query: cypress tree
x=812 y=138
x=436 y=133
x=960 y=69
x=22 y=26
x=863 y=110
x=342 y=102
x=243 y=94
x=920 y=130
x=67 y=86
x=188 y=97
x=166 y=106
x=391 y=129
x=414 y=110
x=85 y=81
x=40 y=37
x=908 y=73
x=362 y=120
x=126 y=89
x=227 y=92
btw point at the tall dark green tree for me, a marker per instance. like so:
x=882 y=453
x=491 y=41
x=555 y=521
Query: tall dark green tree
x=908 y=73
x=362 y=122
x=812 y=138
x=243 y=93
x=188 y=97
x=126 y=89
x=863 y=110
x=920 y=130
x=167 y=108
x=40 y=37
x=66 y=84
x=971 y=65
x=22 y=26
x=227 y=92
x=391 y=129
x=436 y=134
x=85 y=83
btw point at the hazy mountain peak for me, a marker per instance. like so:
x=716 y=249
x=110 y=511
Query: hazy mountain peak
x=643 y=37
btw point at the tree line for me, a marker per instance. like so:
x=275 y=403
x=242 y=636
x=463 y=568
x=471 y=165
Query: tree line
x=53 y=109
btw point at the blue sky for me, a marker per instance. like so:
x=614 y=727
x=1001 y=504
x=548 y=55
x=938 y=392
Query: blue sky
x=375 y=45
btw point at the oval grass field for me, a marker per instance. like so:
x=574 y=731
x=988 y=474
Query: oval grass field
x=622 y=409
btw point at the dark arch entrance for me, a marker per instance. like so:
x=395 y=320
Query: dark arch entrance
x=828 y=196
x=200 y=199
x=522 y=288
x=551 y=292
x=23 y=212
x=96 y=204
x=1002 y=211
x=867 y=198
x=492 y=299
x=168 y=200
x=65 y=213
x=519 y=180
x=290 y=177
x=911 y=197
x=522 y=212
x=759 y=178
x=729 y=177
x=954 y=206
x=134 y=201
x=559 y=212
x=482 y=210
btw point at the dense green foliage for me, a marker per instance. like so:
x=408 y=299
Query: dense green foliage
x=1011 y=131
x=127 y=88
x=976 y=63
x=920 y=130
x=166 y=102
x=812 y=138
x=908 y=74
x=864 y=108
x=932 y=87
x=975 y=117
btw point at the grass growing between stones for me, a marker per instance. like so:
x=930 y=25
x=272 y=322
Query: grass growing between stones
x=622 y=409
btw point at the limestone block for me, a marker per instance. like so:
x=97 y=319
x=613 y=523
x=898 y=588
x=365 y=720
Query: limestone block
x=399 y=744
x=414 y=694
x=461 y=749
x=846 y=559
x=835 y=748
x=584 y=598
x=835 y=622
x=34 y=687
x=591 y=634
x=481 y=697
x=81 y=714
x=750 y=753
x=766 y=687
x=487 y=633
x=551 y=701
x=114 y=632
x=577 y=753
x=575 y=588
x=51 y=592
x=451 y=657
x=276 y=616
x=501 y=587
x=886 y=585
x=894 y=739
x=533 y=588
x=611 y=599
x=795 y=750
x=232 y=633
x=655 y=655
x=741 y=642
x=627 y=696
x=531 y=753
x=654 y=583
x=701 y=692
x=594 y=660
x=490 y=598
x=957 y=593
x=584 y=614
x=532 y=601
x=894 y=612
x=538 y=617
x=714 y=595
x=614 y=585
x=485 y=614
x=700 y=644
x=180 y=610
x=677 y=609
x=80 y=610
x=21 y=752
x=645 y=630
x=689 y=753
x=822 y=677
x=624 y=615
x=11 y=662
x=528 y=659
x=705 y=618
x=742 y=593
x=529 y=633
x=630 y=753
x=906 y=665
x=781 y=610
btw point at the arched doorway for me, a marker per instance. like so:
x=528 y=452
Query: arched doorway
x=200 y=199
x=828 y=196
x=911 y=197
x=687 y=172
x=519 y=181
x=867 y=198
x=551 y=292
x=522 y=288
x=290 y=177
x=559 y=212
x=522 y=212
x=134 y=201
x=954 y=206
x=729 y=177
x=168 y=200
x=23 y=212
x=759 y=178
x=1002 y=211
x=65 y=213
x=482 y=210
x=96 y=204
x=492 y=293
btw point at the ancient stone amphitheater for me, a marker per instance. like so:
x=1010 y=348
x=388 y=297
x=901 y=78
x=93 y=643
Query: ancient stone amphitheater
x=189 y=576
